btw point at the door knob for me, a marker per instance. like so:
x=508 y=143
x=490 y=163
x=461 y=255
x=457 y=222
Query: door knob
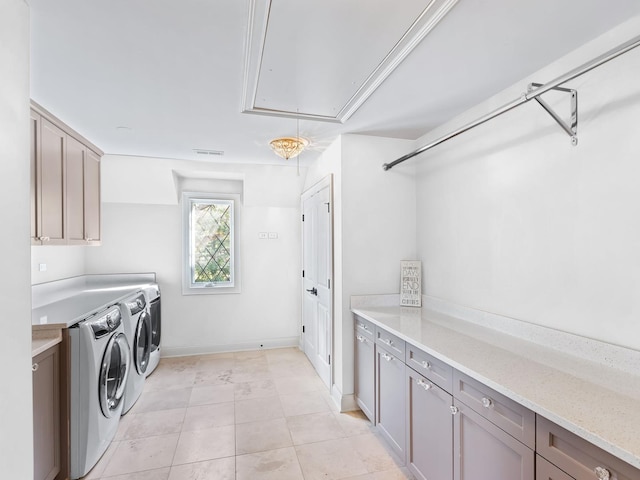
x=313 y=291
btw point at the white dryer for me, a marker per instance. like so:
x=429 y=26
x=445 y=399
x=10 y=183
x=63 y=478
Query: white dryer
x=100 y=360
x=152 y=294
x=137 y=328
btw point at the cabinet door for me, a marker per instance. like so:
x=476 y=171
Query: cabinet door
x=429 y=429
x=390 y=400
x=51 y=183
x=365 y=363
x=76 y=153
x=482 y=451
x=46 y=414
x=92 y=197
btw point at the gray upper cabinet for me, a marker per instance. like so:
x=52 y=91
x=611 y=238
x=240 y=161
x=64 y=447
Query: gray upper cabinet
x=482 y=451
x=50 y=184
x=390 y=398
x=365 y=360
x=429 y=429
x=65 y=184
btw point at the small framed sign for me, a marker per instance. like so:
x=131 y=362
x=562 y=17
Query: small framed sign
x=411 y=283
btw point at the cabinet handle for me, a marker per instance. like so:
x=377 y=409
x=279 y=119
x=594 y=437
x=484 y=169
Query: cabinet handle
x=44 y=239
x=602 y=473
x=363 y=326
x=360 y=338
x=426 y=365
x=387 y=357
x=486 y=402
x=34 y=367
x=387 y=341
x=454 y=409
x=89 y=239
x=423 y=384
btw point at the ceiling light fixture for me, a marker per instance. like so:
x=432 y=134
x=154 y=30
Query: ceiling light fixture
x=288 y=147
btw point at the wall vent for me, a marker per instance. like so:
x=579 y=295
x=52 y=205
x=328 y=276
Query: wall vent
x=201 y=151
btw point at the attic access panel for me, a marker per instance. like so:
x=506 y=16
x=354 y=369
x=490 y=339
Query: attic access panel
x=323 y=59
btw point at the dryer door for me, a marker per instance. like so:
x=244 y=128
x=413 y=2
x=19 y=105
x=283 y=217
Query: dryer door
x=113 y=374
x=142 y=342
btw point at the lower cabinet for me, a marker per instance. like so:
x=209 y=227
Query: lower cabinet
x=483 y=451
x=365 y=361
x=46 y=414
x=429 y=429
x=390 y=399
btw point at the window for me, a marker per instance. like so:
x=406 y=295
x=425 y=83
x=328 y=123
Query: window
x=210 y=254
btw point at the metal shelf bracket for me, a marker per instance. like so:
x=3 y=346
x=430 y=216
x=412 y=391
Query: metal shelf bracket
x=572 y=127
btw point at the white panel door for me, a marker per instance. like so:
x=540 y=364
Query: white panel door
x=317 y=307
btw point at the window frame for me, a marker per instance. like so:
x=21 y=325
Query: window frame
x=188 y=287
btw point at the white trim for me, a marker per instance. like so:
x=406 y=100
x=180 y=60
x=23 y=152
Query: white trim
x=344 y=403
x=284 y=342
x=259 y=12
x=235 y=287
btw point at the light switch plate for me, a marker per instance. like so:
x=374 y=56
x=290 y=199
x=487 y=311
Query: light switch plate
x=273 y=235
x=42 y=267
x=262 y=235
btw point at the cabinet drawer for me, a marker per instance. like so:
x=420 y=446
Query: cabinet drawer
x=548 y=471
x=435 y=370
x=578 y=457
x=510 y=416
x=364 y=327
x=390 y=343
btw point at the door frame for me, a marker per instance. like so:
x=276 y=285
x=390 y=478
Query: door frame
x=325 y=182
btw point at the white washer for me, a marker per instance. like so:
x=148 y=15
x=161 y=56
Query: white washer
x=152 y=294
x=137 y=328
x=100 y=361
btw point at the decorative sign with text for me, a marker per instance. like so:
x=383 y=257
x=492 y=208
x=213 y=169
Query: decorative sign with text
x=411 y=283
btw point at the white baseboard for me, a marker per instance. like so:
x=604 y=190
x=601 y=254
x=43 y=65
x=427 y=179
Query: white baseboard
x=345 y=403
x=168 y=351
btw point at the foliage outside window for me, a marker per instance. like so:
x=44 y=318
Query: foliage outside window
x=210 y=244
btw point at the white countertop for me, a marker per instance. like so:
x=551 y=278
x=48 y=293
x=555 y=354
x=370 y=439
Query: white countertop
x=63 y=303
x=598 y=402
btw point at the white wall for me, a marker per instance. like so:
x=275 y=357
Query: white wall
x=61 y=262
x=374 y=229
x=16 y=438
x=514 y=220
x=143 y=237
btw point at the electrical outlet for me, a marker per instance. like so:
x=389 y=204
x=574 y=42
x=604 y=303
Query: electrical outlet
x=42 y=267
x=262 y=235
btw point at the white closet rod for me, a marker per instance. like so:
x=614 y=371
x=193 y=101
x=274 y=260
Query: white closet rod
x=526 y=97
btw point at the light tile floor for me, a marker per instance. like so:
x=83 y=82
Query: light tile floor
x=243 y=416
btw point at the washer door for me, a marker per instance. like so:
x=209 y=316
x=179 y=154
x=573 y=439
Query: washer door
x=113 y=374
x=142 y=342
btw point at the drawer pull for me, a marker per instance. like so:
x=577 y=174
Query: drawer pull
x=486 y=402
x=423 y=384
x=363 y=326
x=387 y=357
x=360 y=338
x=454 y=409
x=426 y=364
x=388 y=341
x=602 y=473
x=34 y=367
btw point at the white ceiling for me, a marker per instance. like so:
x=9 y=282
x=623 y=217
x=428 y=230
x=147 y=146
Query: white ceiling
x=164 y=77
